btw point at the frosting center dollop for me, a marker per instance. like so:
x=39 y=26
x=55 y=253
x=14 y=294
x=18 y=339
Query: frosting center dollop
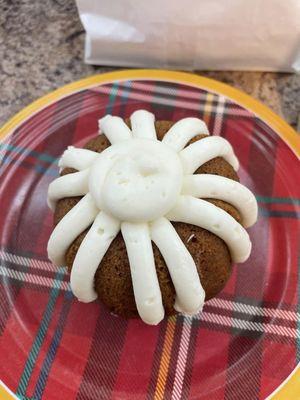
x=136 y=180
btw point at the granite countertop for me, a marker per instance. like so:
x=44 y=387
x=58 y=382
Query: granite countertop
x=41 y=48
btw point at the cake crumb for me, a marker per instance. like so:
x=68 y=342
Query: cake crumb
x=190 y=237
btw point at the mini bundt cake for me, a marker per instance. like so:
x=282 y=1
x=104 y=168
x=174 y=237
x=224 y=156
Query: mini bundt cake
x=149 y=216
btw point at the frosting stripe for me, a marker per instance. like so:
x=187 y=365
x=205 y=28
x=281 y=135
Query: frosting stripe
x=143 y=273
x=69 y=227
x=198 y=153
x=114 y=129
x=142 y=124
x=90 y=253
x=201 y=213
x=219 y=187
x=183 y=131
x=189 y=291
x=77 y=158
x=69 y=185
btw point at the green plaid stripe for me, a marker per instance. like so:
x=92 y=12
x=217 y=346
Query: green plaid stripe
x=40 y=336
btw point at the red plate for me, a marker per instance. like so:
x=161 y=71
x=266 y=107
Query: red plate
x=244 y=344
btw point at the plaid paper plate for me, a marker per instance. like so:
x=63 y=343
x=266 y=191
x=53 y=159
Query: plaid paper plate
x=247 y=340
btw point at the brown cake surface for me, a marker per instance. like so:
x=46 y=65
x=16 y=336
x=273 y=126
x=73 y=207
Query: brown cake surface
x=211 y=255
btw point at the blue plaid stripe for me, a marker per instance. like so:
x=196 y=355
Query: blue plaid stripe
x=40 y=337
x=42 y=379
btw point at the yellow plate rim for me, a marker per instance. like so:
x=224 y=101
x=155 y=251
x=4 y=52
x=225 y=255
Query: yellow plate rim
x=291 y=386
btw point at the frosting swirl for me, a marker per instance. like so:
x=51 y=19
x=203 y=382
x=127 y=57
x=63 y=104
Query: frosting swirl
x=137 y=180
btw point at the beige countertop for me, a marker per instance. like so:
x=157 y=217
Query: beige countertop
x=41 y=48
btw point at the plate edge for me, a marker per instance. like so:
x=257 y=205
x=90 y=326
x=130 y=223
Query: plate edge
x=282 y=128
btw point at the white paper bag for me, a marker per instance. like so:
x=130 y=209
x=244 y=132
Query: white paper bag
x=193 y=34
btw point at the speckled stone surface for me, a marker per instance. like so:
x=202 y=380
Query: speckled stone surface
x=41 y=48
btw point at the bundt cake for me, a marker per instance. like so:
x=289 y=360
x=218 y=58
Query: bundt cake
x=149 y=216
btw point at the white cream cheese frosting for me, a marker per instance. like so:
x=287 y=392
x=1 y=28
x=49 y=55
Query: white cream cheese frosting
x=136 y=180
x=138 y=185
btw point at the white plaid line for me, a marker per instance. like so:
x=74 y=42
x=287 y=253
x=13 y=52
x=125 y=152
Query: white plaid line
x=28 y=262
x=35 y=279
x=182 y=358
x=205 y=316
x=219 y=116
x=179 y=103
x=165 y=90
x=253 y=310
x=249 y=325
x=215 y=302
